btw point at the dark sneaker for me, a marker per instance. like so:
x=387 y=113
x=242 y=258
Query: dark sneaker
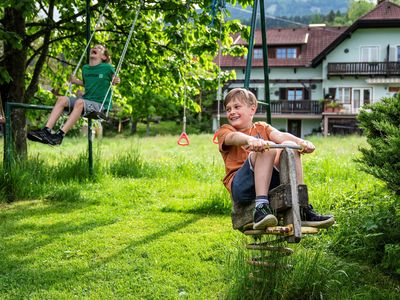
x=39 y=135
x=55 y=139
x=263 y=217
x=312 y=219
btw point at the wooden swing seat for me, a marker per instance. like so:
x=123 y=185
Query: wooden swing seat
x=286 y=200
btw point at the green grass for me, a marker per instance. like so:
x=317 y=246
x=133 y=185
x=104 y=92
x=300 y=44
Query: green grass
x=154 y=224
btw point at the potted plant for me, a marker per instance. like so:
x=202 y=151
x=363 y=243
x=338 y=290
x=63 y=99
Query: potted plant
x=332 y=106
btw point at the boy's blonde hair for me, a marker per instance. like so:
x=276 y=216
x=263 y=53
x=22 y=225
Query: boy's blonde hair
x=106 y=53
x=243 y=95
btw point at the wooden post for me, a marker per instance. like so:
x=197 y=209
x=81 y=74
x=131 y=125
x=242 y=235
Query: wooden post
x=288 y=176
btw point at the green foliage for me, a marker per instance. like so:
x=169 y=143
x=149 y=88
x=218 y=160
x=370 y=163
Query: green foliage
x=359 y=8
x=168 y=62
x=369 y=228
x=381 y=124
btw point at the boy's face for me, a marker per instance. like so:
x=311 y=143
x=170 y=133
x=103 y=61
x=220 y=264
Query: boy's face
x=240 y=115
x=97 y=52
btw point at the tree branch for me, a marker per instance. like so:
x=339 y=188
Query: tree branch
x=32 y=88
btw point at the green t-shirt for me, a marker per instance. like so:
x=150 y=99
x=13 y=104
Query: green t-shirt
x=97 y=81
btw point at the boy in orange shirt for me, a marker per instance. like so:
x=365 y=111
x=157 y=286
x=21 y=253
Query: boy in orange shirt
x=251 y=171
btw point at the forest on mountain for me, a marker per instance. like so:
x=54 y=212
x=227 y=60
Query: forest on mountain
x=295 y=13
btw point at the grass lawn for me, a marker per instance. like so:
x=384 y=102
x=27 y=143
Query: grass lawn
x=154 y=223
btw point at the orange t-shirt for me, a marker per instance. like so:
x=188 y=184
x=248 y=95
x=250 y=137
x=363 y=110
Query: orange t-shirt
x=235 y=156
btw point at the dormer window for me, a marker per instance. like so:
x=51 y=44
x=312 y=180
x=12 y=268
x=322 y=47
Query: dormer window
x=258 y=53
x=286 y=53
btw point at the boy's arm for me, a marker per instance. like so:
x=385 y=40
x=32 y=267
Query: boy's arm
x=241 y=139
x=75 y=80
x=279 y=137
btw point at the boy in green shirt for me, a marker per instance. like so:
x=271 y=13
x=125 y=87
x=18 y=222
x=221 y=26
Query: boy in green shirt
x=97 y=76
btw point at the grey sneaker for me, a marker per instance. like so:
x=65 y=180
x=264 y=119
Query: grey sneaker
x=263 y=217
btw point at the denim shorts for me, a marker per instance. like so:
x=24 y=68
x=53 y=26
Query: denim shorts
x=243 y=186
x=88 y=108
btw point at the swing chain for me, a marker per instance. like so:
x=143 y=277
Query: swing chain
x=121 y=60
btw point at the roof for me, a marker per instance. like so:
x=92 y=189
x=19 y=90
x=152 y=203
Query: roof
x=315 y=42
x=385 y=15
x=312 y=40
x=385 y=10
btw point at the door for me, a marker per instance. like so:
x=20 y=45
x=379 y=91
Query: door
x=294 y=127
x=360 y=97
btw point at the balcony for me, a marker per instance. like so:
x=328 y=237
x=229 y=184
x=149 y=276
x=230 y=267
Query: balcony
x=364 y=69
x=309 y=107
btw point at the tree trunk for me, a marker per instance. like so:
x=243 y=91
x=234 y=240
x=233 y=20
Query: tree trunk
x=15 y=63
x=133 y=126
x=148 y=126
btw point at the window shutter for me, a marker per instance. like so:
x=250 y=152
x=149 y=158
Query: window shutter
x=282 y=94
x=392 y=53
x=306 y=94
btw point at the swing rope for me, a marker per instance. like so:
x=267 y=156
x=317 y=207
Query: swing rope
x=221 y=5
x=183 y=139
x=69 y=92
x=121 y=60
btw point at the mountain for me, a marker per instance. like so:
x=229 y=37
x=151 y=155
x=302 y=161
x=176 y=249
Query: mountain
x=291 y=8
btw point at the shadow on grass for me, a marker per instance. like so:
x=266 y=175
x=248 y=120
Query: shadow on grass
x=218 y=203
x=26 y=280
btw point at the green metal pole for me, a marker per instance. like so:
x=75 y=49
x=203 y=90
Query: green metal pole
x=265 y=59
x=90 y=141
x=251 y=45
x=8 y=141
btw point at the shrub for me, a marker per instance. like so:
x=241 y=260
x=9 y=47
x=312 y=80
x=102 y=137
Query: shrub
x=381 y=124
x=368 y=228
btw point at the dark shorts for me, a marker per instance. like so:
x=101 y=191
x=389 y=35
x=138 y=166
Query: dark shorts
x=243 y=187
x=89 y=106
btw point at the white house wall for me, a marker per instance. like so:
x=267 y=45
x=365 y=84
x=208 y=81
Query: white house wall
x=361 y=37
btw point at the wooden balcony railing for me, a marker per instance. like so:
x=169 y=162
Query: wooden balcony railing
x=286 y=107
x=364 y=69
x=296 y=107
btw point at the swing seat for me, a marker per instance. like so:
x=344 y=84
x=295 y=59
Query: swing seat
x=97 y=116
x=280 y=198
x=215 y=138
x=183 y=139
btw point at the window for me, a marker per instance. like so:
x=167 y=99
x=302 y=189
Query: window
x=398 y=53
x=369 y=54
x=258 y=54
x=343 y=95
x=291 y=53
x=295 y=94
x=284 y=53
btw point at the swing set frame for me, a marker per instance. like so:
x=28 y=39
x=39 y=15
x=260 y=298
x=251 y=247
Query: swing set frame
x=9 y=106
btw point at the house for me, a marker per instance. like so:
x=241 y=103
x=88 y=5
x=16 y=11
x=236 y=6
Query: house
x=315 y=69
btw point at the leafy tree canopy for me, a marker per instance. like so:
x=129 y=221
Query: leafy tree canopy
x=170 y=55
